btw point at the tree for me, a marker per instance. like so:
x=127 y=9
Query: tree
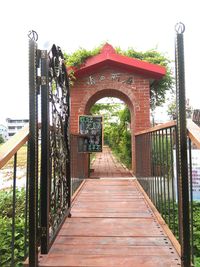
x=1 y=139
x=172 y=109
x=158 y=89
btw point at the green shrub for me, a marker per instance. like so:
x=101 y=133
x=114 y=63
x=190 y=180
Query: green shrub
x=196 y=226
x=6 y=227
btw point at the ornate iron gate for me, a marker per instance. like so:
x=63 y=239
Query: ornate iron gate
x=49 y=192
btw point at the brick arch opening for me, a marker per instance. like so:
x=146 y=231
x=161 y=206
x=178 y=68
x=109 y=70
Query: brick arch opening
x=122 y=96
x=108 y=93
x=119 y=95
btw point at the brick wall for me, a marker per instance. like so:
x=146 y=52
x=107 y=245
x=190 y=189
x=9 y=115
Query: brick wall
x=112 y=82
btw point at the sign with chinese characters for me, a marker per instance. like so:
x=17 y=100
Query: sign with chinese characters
x=91 y=80
x=195 y=174
x=91 y=129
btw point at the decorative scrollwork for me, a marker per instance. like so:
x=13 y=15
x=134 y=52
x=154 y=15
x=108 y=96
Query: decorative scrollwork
x=59 y=137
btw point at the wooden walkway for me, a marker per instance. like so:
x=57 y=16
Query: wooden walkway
x=106 y=165
x=111 y=225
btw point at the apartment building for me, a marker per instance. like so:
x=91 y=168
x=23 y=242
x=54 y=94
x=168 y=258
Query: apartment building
x=14 y=125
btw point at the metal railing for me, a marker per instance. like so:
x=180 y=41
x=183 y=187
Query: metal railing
x=14 y=194
x=14 y=177
x=157 y=172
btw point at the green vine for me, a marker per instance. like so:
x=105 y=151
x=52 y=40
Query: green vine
x=79 y=57
x=158 y=89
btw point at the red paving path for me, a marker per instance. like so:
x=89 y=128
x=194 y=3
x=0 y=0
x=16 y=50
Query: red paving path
x=106 y=165
x=113 y=224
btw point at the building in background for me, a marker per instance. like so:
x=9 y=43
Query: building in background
x=14 y=125
x=4 y=132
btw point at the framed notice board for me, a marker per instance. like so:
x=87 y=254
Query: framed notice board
x=91 y=129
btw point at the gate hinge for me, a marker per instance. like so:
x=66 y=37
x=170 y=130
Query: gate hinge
x=41 y=54
x=43 y=231
x=41 y=80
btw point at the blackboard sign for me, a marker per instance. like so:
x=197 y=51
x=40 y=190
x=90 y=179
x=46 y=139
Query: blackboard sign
x=91 y=128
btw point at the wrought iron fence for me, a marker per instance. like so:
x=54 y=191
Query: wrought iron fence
x=155 y=156
x=14 y=165
x=156 y=170
x=159 y=171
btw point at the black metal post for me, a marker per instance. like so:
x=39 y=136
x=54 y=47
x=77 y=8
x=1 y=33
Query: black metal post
x=182 y=162
x=33 y=168
x=13 y=211
x=191 y=201
x=172 y=175
x=44 y=181
x=26 y=206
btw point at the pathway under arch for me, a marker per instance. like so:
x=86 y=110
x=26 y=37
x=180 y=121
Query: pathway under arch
x=106 y=165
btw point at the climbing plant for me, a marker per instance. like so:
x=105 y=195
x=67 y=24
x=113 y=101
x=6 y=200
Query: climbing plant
x=158 y=89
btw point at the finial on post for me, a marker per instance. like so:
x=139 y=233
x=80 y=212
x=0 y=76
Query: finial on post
x=179 y=28
x=32 y=35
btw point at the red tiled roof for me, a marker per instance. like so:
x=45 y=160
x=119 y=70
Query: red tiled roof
x=108 y=56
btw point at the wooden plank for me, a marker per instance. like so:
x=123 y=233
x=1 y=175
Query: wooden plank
x=157 y=127
x=193 y=132
x=112 y=225
x=106 y=198
x=108 y=261
x=111 y=250
x=119 y=206
x=111 y=214
x=118 y=241
x=8 y=149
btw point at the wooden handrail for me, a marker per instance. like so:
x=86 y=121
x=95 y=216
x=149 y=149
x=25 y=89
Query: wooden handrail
x=193 y=132
x=8 y=149
x=157 y=127
x=192 y=128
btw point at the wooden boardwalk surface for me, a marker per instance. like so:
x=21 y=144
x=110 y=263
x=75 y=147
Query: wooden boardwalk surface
x=106 y=165
x=112 y=224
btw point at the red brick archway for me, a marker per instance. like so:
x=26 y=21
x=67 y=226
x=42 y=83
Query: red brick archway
x=111 y=75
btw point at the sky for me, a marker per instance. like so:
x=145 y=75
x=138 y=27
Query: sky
x=141 y=24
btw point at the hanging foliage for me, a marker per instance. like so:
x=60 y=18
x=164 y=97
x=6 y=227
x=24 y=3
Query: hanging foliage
x=158 y=89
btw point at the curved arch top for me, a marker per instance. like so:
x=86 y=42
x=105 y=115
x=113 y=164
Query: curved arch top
x=108 y=93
